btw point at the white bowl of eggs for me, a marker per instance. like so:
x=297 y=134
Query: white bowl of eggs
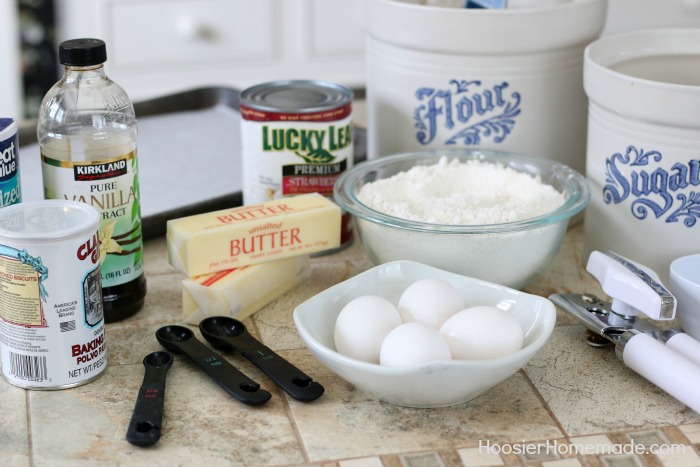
x=418 y=336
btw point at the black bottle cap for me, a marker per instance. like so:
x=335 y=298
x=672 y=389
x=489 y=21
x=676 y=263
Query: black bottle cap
x=82 y=52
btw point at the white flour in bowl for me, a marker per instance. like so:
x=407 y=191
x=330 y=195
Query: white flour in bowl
x=461 y=193
x=470 y=193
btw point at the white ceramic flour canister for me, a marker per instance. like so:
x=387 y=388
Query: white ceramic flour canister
x=643 y=154
x=508 y=79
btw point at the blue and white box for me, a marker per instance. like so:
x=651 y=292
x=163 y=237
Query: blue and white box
x=10 y=192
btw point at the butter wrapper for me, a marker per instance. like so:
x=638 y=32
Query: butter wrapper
x=240 y=292
x=253 y=234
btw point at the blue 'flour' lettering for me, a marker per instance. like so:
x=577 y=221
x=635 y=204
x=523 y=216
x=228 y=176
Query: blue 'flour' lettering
x=470 y=111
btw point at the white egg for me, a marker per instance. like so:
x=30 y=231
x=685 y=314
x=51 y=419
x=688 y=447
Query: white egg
x=482 y=332
x=412 y=344
x=362 y=325
x=429 y=301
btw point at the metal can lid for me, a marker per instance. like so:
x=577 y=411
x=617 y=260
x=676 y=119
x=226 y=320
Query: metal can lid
x=44 y=221
x=302 y=96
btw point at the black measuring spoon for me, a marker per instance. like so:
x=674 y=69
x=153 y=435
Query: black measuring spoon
x=229 y=334
x=144 y=427
x=181 y=339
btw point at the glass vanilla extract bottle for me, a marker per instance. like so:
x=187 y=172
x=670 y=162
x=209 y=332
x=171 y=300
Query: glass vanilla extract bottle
x=87 y=135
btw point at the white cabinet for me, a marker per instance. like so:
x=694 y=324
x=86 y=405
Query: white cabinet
x=627 y=15
x=155 y=47
x=10 y=66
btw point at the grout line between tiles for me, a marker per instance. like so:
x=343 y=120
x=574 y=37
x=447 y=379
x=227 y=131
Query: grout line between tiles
x=295 y=428
x=285 y=401
x=559 y=425
x=30 y=447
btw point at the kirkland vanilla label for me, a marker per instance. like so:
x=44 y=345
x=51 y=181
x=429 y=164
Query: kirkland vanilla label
x=111 y=186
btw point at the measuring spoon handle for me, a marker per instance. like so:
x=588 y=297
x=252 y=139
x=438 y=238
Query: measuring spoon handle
x=291 y=379
x=145 y=424
x=226 y=375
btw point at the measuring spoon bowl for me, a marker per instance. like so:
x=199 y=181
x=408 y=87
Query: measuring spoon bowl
x=182 y=340
x=158 y=359
x=145 y=425
x=174 y=334
x=229 y=334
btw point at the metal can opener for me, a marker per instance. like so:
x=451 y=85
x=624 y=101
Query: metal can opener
x=667 y=357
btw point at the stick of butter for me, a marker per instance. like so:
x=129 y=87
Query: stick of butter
x=231 y=238
x=240 y=292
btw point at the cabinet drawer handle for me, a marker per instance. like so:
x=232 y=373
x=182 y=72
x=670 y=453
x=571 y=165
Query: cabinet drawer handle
x=190 y=29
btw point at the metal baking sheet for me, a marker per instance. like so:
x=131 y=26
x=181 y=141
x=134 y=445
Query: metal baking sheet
x=189 y=156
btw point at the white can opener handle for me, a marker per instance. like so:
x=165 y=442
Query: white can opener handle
x=666 y=368
x=668 y=358
x=635 y=288
x=685 y=345
x=632 y=287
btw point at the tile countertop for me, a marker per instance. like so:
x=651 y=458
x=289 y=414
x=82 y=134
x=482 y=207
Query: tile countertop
x=569 y=393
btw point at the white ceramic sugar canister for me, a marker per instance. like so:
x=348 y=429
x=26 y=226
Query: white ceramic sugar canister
x=503 y=79
x=643 y=153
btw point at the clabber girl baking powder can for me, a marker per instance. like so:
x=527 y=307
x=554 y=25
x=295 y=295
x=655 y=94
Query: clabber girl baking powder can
x=52 y=333
x=296 y=138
